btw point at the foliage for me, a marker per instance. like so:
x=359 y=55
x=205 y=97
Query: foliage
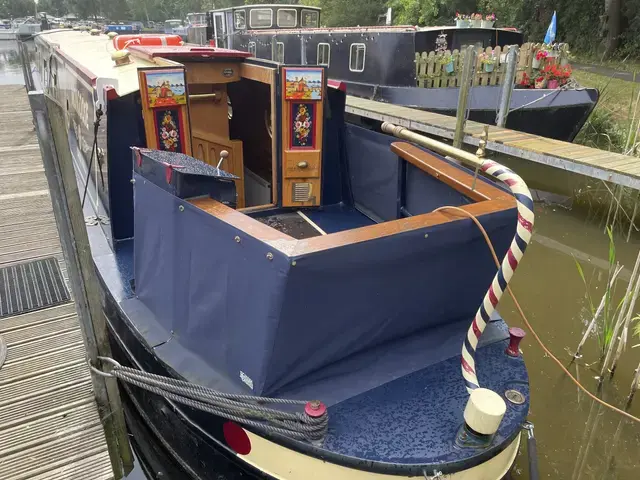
x=553 y=71
x=487 y=58
x=580 y=23
x=349 y=13
x=606 y=320
x=613 y=123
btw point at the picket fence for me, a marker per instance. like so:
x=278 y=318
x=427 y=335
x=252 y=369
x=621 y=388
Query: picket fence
x=431 y=73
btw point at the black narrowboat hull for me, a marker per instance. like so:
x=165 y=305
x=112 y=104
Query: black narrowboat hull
x=557 y=114
x=194 y=452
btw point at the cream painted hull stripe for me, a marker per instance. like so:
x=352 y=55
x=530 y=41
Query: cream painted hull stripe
x=285 y=464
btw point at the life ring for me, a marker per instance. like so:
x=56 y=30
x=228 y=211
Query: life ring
x=121 y=42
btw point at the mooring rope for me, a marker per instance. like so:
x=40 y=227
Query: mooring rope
x=248 y=410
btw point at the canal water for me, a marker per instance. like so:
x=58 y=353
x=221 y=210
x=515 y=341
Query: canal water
x=576 y=439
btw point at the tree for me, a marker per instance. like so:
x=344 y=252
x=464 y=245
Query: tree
x=613 y=16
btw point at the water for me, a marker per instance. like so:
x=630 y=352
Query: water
x=575 y=439
x=10 y=67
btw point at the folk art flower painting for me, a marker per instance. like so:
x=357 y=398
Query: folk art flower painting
x=167 y=123
x=303 y=117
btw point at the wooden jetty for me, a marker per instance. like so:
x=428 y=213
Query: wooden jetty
x=49 y=422
x=600 y=164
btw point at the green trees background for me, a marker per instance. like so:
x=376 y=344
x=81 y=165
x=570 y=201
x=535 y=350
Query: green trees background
x=606 y=27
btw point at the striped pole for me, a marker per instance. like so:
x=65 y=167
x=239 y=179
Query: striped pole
x=524 y=227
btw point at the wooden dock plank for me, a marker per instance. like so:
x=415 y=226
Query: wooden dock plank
x=616 y=168
x=49 y=423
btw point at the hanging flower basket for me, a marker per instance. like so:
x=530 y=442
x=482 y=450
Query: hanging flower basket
x=487 y=60
x=539 y=57
x=447 y=60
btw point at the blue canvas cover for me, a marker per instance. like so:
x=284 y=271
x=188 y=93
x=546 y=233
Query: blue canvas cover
x=272 y=326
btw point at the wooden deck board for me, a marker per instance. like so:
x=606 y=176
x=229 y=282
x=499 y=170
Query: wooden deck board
x=616 y=168
x=49 y=423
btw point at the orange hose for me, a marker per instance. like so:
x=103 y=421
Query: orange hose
x=526 y=321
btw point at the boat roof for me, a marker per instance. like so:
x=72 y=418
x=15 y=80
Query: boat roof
x=453 y=27
x=370 y=29
x=269 y=5
x=90 y=57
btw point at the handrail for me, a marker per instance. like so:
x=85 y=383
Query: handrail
x=524 y=227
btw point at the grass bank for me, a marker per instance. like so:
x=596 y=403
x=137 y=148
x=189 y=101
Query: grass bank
x=613 y=125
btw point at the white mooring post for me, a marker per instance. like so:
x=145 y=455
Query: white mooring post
x=508 y=83
x=65 y=198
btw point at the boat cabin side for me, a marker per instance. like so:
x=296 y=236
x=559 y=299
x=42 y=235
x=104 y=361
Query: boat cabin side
x=225 y=23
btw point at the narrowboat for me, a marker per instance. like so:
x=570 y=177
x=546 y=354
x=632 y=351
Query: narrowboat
x=378 y=62
x=339 y=322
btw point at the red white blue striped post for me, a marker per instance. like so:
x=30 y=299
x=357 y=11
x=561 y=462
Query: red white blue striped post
x=524 y=204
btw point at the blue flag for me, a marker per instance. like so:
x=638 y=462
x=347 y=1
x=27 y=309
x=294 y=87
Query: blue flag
x=550 y=37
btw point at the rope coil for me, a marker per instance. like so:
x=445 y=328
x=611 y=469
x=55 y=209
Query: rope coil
x=248 y=410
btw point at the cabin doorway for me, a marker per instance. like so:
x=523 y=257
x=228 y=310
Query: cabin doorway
x=219 y=30
x=251 y=123
x=234 y=114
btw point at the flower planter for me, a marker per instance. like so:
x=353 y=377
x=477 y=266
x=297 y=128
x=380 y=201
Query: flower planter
x=487 y=23
x=552 y=84
x=462 y=23
x=535 y=63
x=476 y=23
x=488 y=67
x=541 y=83
x=448 y=67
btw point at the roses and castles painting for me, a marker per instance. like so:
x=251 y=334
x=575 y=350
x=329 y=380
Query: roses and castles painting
x=165 y=88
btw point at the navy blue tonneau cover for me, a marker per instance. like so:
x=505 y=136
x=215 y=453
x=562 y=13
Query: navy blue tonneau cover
x=272 y=323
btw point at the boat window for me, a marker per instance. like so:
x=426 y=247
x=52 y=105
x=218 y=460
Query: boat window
x=287 y=17
x=261 y=18
x=309 y=18
x=252 y=48
x=324 y=54
x=240 y=19
x=356 y=57
x=279 y=52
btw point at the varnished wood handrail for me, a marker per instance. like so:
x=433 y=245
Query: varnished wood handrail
x=445 y=172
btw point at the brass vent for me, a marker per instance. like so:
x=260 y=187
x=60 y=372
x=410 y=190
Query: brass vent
x=301 y=192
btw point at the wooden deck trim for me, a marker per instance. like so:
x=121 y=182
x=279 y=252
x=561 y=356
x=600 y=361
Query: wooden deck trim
x=489 y=199
x=447 y=173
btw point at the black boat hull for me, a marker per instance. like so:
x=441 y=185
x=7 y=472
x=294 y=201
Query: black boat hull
x=557 y=114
